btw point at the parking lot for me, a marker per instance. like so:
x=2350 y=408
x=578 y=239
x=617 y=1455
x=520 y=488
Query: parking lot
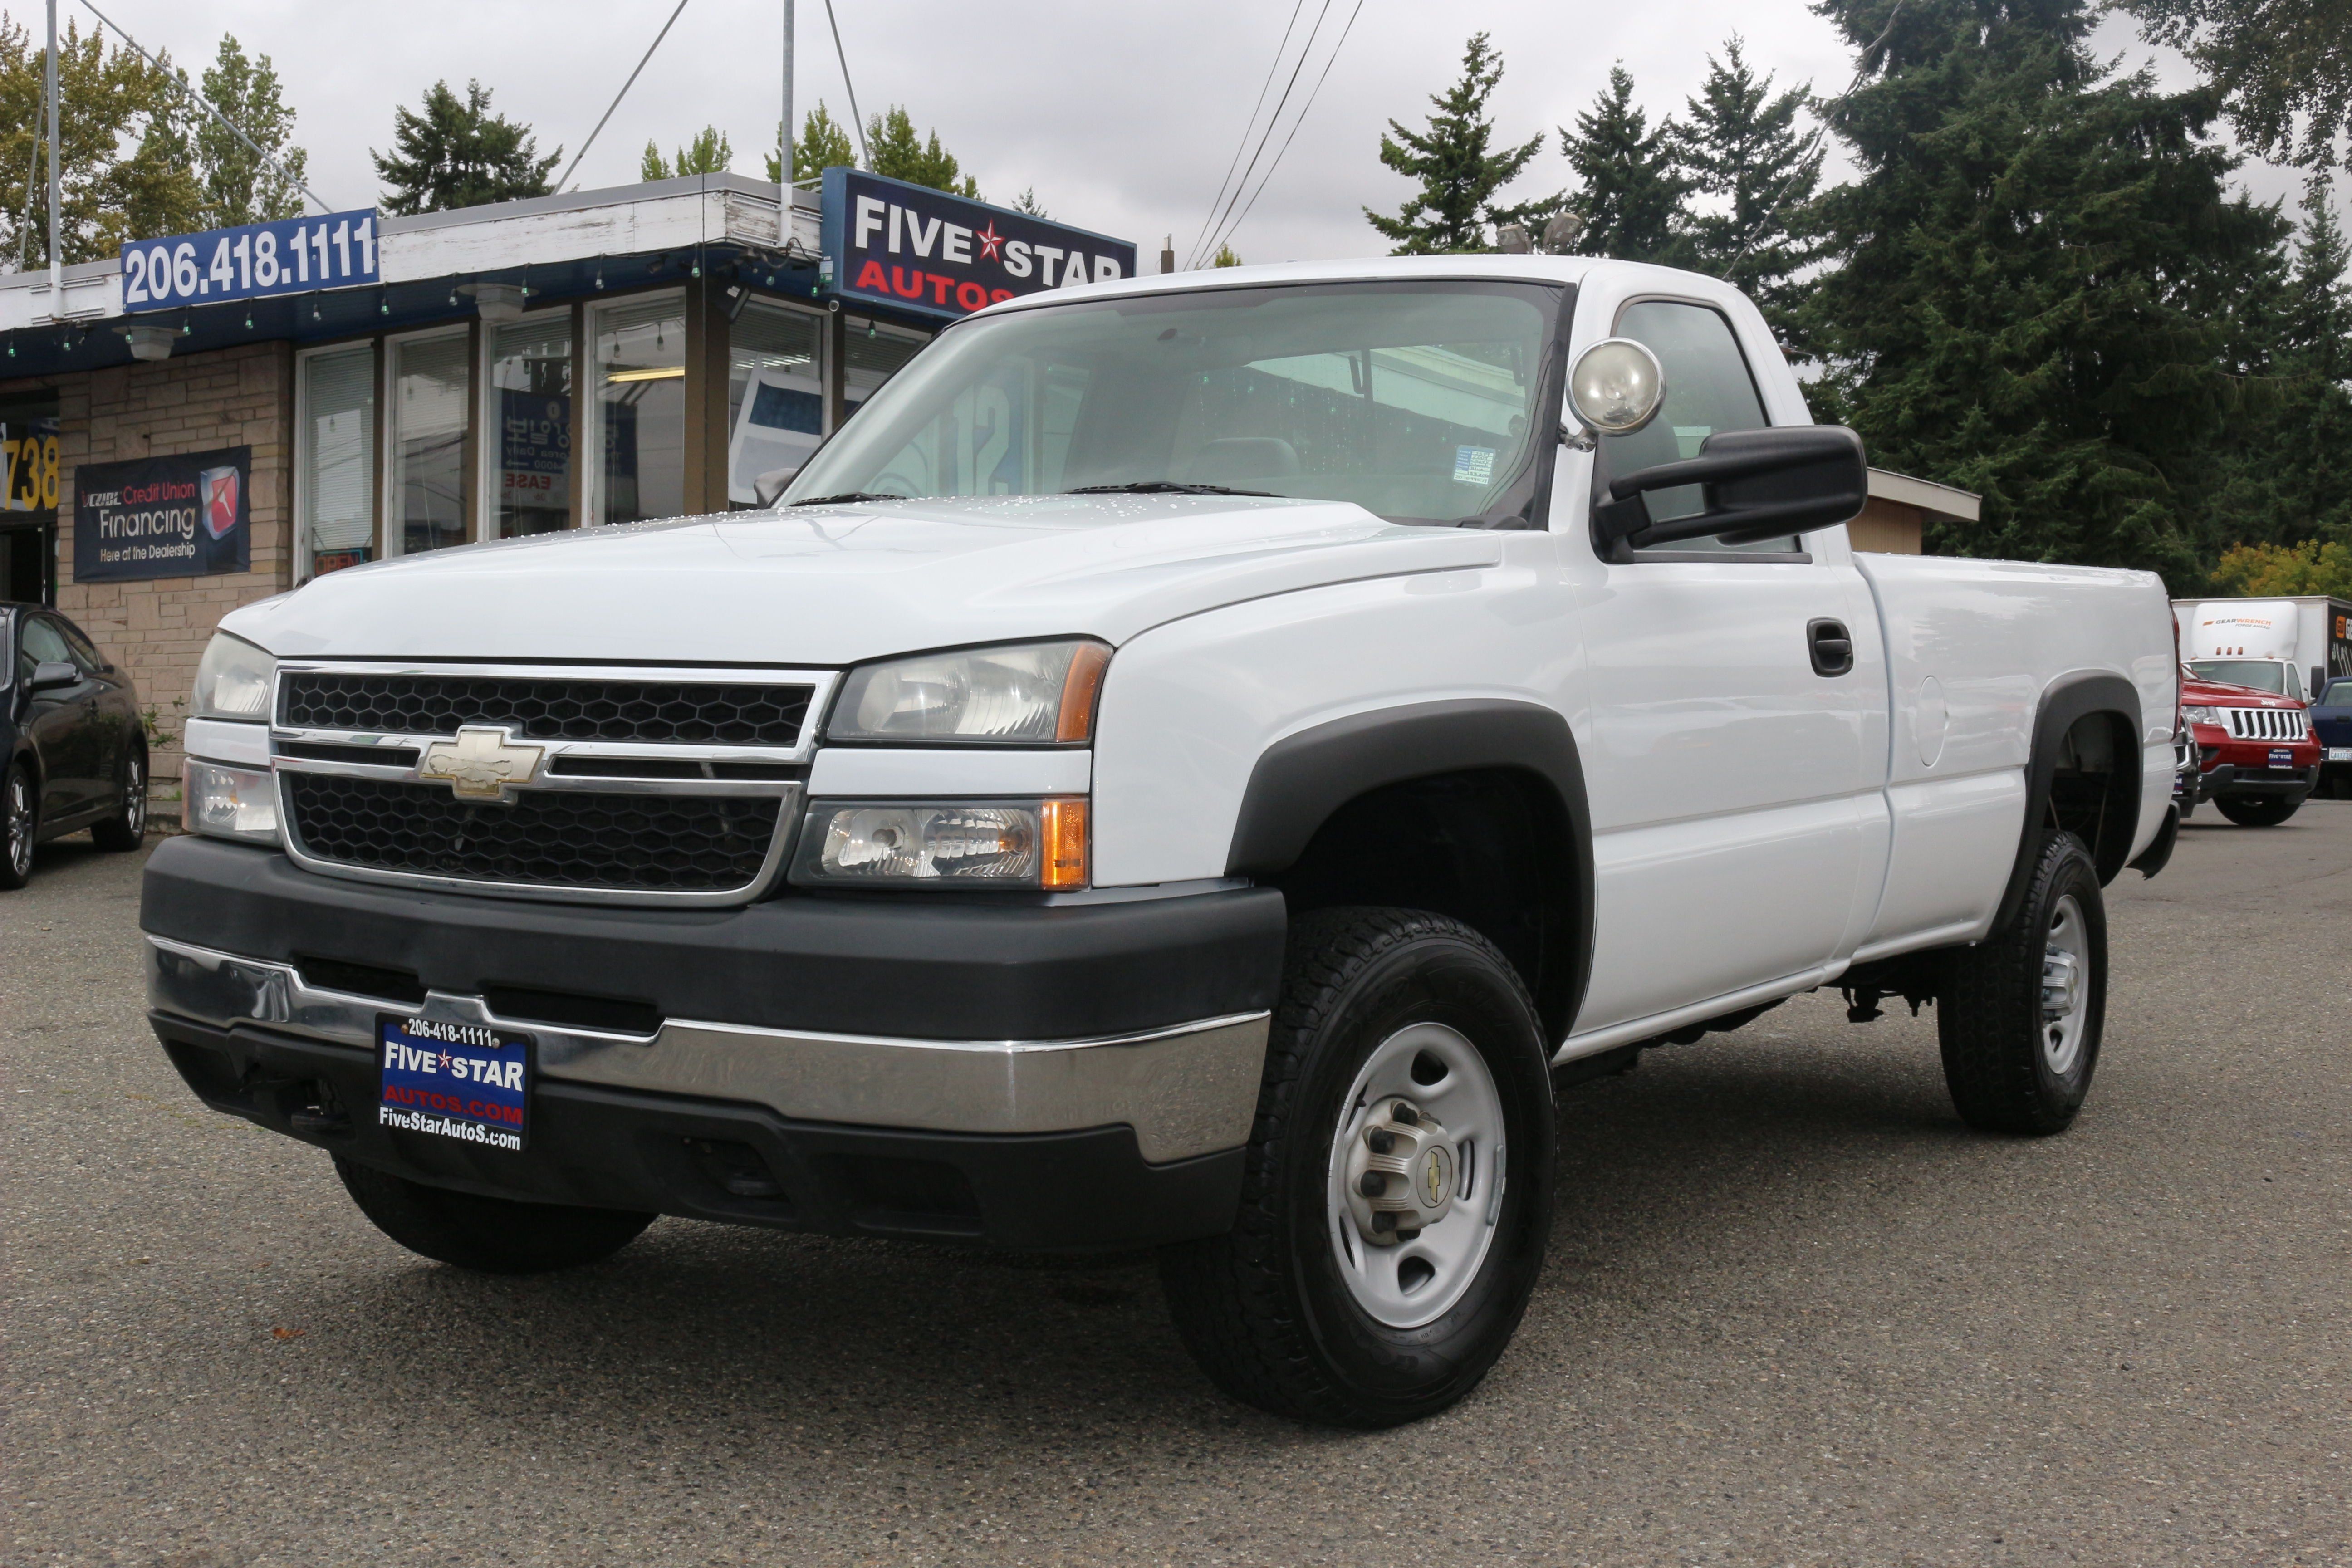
x=1794 y=1314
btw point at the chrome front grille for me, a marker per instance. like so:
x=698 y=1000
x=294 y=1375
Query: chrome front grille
x=647 y=711
x=2267 y=723
x=628 y=786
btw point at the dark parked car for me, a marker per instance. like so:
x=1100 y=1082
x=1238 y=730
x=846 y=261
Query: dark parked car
x=75 y=752
x=2331 y=721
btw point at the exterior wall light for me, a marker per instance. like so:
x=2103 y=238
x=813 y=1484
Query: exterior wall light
x=148 y=342
x=496 y=302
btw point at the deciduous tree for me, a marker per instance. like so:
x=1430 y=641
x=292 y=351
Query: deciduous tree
x=110 y=100
x=708 y=153
x=899 y=153
x=239 y=187
x=824 y=144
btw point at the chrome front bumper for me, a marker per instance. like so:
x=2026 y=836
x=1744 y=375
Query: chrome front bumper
x=1188 y=1090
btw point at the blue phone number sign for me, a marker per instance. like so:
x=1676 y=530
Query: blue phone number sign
x=291 y=255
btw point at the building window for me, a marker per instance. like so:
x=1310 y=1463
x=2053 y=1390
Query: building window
x=876 y=352
x=529 y=421
x=775 y=398
x=334 y=459
x=430 y=386
x=640 y=376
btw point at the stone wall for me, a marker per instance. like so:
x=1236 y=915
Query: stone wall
x=157 y=628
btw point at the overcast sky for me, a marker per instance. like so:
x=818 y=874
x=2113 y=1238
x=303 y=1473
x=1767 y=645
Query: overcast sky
x=1122 y=118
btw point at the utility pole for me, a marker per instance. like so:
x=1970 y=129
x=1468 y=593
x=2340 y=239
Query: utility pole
x=49 y=93
x=784 y=139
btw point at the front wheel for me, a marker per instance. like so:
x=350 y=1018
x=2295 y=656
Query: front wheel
x=2257 y=811
x=488 y=1235
x=1398 y=1195
x=20 y=821
x=2020 y=1015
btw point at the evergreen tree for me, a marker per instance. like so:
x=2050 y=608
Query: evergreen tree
x=2280 y=62
x=1740 y=145
x=708 y=154
x=823 y=144
x=240 y=188
x=1027 y=202
x=108 y=99
x=1630 y=192
x=1459 y=177
x=459 y=154
x=899 y=154
x=2036 y=281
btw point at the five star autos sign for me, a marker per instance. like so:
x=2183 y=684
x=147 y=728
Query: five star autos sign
x=915 y=248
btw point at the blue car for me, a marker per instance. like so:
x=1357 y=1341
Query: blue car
x=2331 y=723
x=73 y=752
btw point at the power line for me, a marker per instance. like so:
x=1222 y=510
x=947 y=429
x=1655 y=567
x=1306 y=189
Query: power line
x=1304 y=109
x=1274 y=118
x=617 y=97
x=1248 y=125
x=849 y=86
x=180 y=79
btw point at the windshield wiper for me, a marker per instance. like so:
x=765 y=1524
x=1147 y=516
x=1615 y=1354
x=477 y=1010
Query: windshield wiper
x=1160 y=487
x=845 y=497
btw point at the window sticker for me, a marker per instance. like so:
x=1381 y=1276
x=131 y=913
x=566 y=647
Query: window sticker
x=1473 y=466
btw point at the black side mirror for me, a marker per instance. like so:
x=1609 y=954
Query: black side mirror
x=1760 y=484
x=52 y=674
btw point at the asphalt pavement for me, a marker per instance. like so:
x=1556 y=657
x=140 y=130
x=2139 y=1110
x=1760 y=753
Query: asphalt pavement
x=1795 y=1314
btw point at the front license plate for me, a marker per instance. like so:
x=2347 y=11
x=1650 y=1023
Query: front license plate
x=2281 y=757
x=459 y=1082
x=2339 y=753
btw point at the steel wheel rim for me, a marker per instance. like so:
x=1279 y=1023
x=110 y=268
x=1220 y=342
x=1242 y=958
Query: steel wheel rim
x=1389 y=1282
x=20 y=825
x=2063 y=1029
x=134 y=804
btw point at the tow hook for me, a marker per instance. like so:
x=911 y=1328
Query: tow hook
x=1400 y=1175
x=2062 y=984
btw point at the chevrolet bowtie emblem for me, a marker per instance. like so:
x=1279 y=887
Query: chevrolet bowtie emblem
x=482 y=763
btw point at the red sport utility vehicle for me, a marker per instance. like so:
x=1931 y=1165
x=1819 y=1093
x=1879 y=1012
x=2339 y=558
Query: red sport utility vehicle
x=2257 y=759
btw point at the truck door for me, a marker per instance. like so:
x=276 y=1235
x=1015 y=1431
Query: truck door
x=57 y=721
x=1739 y=757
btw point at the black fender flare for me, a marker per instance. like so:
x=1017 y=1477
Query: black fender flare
x=1302 y=779
x=2064 y=702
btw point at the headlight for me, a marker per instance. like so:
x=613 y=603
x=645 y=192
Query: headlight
x=230 y=802
x=985 y=843
x=1038 y=694
x=2197 y=715
x=232 y=680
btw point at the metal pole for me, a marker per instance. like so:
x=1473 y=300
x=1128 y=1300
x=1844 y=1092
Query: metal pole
x=784 y=139
x=49 y=93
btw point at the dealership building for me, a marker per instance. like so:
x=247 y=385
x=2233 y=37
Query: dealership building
x=214 y=418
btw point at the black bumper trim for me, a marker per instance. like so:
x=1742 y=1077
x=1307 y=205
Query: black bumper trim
x=677 y=1156
x=914 y=966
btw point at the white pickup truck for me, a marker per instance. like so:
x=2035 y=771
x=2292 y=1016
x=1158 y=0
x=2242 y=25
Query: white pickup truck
x=1193 y=763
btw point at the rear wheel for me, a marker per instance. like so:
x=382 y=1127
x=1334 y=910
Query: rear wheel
x=2256 y=810
x=1399 y=1188
x=20 y=821
x=127 y=828
x=488 y=1235
x=2021 y=1014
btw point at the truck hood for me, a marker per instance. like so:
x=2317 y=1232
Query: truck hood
x=833 y=585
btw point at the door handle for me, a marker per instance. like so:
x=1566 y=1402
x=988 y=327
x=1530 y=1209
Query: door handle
x=1832 y=646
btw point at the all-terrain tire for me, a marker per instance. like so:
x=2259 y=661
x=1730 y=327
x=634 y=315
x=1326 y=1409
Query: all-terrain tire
x=127 y=829
x=488 y=1235
x=1264 y=1309
x=2257 y=811
x=2004 y=1072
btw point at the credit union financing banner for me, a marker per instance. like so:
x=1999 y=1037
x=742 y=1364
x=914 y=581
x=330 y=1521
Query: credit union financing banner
x=915 y=248
x=163 y=517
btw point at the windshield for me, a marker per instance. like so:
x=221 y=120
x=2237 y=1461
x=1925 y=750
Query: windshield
x=2262 y=674
x=2339 y=695
x=1416 y=401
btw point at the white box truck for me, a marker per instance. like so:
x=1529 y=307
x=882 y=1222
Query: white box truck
x=2290 y=646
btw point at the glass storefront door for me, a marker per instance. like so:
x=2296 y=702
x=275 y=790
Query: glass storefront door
x=431 y=387
x=528 y=421
x=334 y=459
x=639 y=371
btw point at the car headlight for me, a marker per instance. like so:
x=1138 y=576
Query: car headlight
x=229 y=803
x=1035 y=694
x=232 y=680
x=977 y=843
x=2198 y=715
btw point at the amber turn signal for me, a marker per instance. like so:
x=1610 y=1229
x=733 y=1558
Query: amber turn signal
x=1061 y=826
